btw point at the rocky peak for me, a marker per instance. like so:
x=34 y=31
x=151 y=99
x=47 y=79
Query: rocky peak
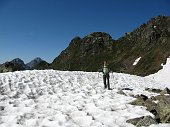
x=80 y=49
x=34 y=62
x=75 y=39
x=38 y=59
x=97 y=37
x=18 y=61
x=96 y=42
x=91 y=44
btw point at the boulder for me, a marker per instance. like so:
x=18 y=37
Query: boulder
x=135 y=120
x=163 y=109
x=146 y=121
x=140 y=100
x=151 y=106
x=142 y=121
x=165 y=91
x=153 y=90
x=121 y=92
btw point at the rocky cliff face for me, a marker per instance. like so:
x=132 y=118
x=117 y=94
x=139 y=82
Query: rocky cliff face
x=151 y=42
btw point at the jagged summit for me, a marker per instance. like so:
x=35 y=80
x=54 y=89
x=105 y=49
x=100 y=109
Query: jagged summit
x=98 y=34
x=18 y=60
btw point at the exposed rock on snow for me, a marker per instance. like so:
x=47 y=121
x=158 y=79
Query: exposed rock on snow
x=142 y=121
x=158 y=105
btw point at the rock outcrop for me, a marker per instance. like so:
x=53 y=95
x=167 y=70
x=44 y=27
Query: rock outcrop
x=142 y=121
x=159 y=106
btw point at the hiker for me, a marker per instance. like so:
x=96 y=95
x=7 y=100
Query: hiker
x=105 y=70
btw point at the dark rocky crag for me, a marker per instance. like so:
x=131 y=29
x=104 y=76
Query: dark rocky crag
x=14 y=65
x=84 y=54
x=151 y=42
x=10 y=67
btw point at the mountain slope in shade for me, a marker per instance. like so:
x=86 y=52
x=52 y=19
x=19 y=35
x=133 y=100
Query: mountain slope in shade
x=150 y=42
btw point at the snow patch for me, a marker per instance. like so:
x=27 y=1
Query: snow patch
x=162 y=75
x=136 y=61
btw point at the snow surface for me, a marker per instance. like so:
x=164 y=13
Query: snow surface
x=163 y=75
x=52 y=98
x=136 y=61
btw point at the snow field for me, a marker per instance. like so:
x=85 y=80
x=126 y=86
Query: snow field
x=163 y=75
x=51 y=98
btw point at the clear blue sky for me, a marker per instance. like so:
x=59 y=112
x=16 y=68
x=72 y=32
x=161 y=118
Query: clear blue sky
x=43 y=28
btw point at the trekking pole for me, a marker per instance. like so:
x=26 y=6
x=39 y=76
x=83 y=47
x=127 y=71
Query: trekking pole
x=112 y=75
x=113 y=78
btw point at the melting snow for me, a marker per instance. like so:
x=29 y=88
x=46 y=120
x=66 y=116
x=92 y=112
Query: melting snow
x=163 y=75
x=51 y=98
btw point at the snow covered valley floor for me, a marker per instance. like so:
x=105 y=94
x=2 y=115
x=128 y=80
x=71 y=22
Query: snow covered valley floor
x=52 y=98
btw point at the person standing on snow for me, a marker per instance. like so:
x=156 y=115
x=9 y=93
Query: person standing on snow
x=105 y=70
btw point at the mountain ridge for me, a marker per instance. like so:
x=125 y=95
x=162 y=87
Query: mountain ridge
x=17 y=65
x=150 y=41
